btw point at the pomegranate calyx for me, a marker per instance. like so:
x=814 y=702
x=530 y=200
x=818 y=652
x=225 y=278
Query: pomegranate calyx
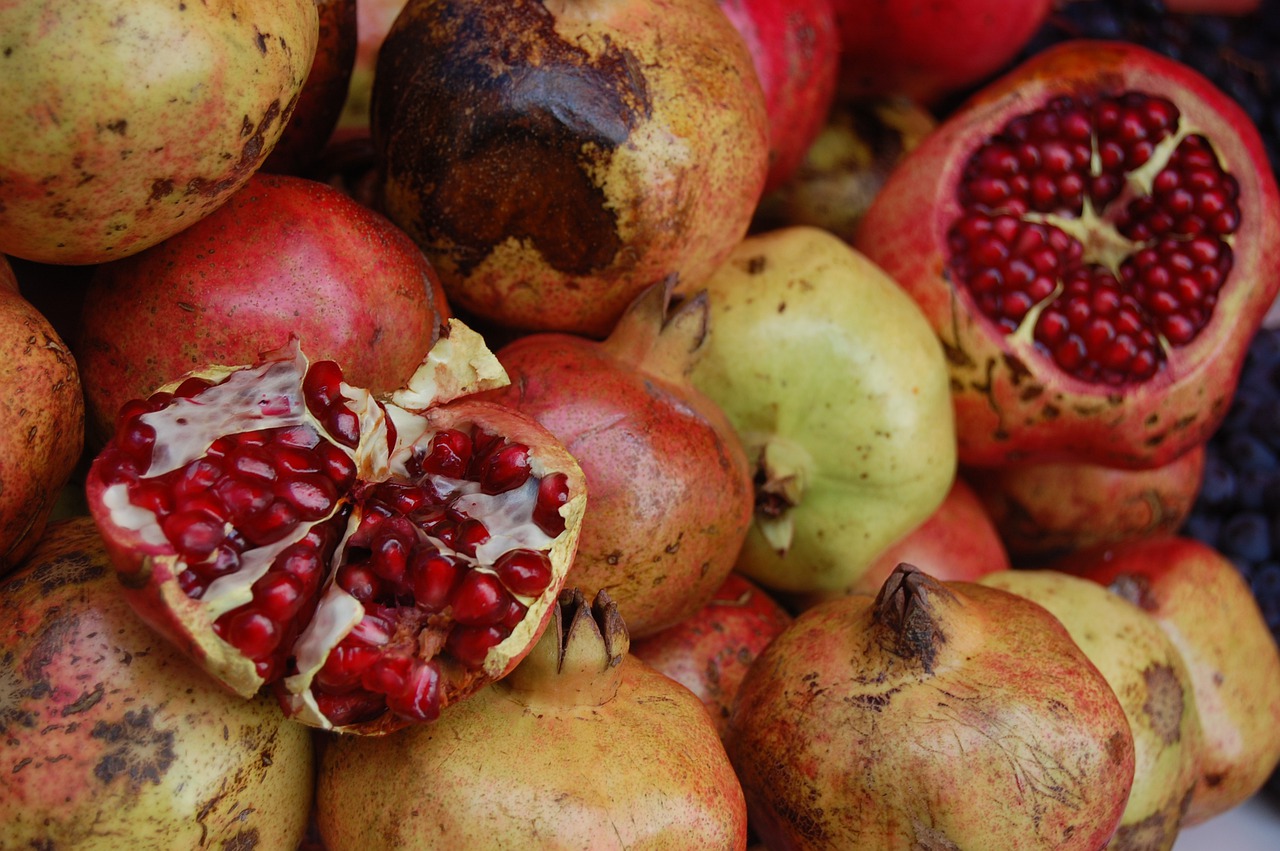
x=580 y=652
x=458 y=364
x=780 y=482
x=659 y=336
x=904 y=609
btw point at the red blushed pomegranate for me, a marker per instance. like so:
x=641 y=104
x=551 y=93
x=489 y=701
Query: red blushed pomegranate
x=112 y=740
x=283 y=256
x=582 y=746
x=935 y=715
x=710 y=651
x=795 y=48
x=374 y=560
x=1094 y=237
x=924 y=49
x=671 y=491
x=1044 y=511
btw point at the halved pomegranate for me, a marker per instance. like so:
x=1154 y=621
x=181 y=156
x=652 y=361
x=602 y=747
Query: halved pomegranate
x=1095 y=237
x=374 y=560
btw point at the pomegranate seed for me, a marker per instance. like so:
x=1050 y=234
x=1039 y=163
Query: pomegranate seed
x=388 y=674
x=360 y=582
x=480 y=599
x=470 y=534
x=251 y=632
x=343 y=424
x=505 y=469
x=345 y=709
x=194 y=534
x=313 y=496
x=322 y=387
x=301 y=436
x=553 y=493
x=432 y=577
x=153 y=496
x=191 y=584
x=524 y=572
x=470 y=645
x=418 y=695
x=337 y=465
x=269 y=525
x=242 y=498
x=196 y=478
x=278 y=595
x=449 y=454
x=389 y=558
x=512 y=617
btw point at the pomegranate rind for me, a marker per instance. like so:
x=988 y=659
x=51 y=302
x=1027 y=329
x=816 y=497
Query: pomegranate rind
x=1012 y=403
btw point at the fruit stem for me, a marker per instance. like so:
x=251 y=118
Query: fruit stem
x=904 y=607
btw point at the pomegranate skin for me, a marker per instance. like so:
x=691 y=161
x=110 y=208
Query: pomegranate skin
x=1013 y=403
x=41 y=420
x=284 y=256
x=109 y=151
x=554 y=159
x=113 y=740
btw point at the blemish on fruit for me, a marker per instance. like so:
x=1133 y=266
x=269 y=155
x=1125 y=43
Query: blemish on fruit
x=1164 y=706
x=140 y=753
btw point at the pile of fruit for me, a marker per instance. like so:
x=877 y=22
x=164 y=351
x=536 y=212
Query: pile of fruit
x=823 y=424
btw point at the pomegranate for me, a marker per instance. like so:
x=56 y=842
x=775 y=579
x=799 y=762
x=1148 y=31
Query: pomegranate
x=373 y=21
x=112 y=740
x=934 y=715
x=925 y=49
x=1149 y=676
x=109 y=151
x=373 y=560
x=1094 y=237
x=1208 y=611
x=838 y=389
x=671 y=494
x=581 y=746
x=957 y=542
x=710 y=651
x=41 y=420
x=1045 y=510
x=554 y=159
x=283 y=256
x=795 y=49
x=320 y=102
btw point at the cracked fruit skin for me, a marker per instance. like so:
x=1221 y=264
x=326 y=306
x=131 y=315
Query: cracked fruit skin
x=1094 y=237
x=125 y=121
x=935 y=715
x=837 y=387
x=112 y=739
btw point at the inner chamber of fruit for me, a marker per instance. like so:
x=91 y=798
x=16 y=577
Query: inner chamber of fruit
x=373 y=559
x=1104 y=240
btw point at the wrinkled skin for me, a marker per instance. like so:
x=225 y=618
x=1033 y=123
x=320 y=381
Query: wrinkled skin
x=109 y=151
x=554 y=159
x=837 y=387
x=113 y=740
x=1149 y=676
x=284 y=256
x=41 y=420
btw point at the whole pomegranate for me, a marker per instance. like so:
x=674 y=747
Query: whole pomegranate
x=41 y=420
x=925 y=49
x=554 y=159
x=1047 y=509
x=1209 y=612
x=124 y=121
x=373 y=559
x=283 y=256
x=710 y=651
x=1094 y=237
x=671 y=495
x=581 y=746
x=1146 y=671
x=795 y=49
x=934 y=715
x=112 y=740
x=837 y=387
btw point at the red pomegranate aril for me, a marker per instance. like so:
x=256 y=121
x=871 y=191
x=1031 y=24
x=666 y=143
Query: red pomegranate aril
x=388 y=674
x=344 y=426
x=470 y=645
x=480 y=599
x=418 y=695
x=432 y=576
x=271 y=524
x=242 y=498
x=251 y=632
x=524 y=572
x=390 y=558
x=514 y=614
x=153 y=496
x=350 y=709
x=313 y=496
x=322 y=387
x=194 y=534
x=278 y=595
x=449 y=454
x=196 y=478
x=506 y=468
x=336 y=465
x=553 y=493
x=470 y=533
x=360 y=581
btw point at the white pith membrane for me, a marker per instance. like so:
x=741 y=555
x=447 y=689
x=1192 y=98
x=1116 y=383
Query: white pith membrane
x=1095 y=230
x=270 y=396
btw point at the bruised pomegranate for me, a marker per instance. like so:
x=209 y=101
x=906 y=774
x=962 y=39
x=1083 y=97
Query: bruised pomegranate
x=373 y=560
x=553 y=159
x=1046 y=510
x=935 y=715
x=671 y=494
x=795 y=48
x=1094 y=237
x=581 y=746
x=283 y=256
x=112 y=740
x=710 y=651
x=41 y=420
x=124 y=121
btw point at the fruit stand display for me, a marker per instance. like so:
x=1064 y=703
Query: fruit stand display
x=726 y=424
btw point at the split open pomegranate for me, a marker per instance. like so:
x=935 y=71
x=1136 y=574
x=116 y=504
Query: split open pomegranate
x=1095 y=238
x=372 y=559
